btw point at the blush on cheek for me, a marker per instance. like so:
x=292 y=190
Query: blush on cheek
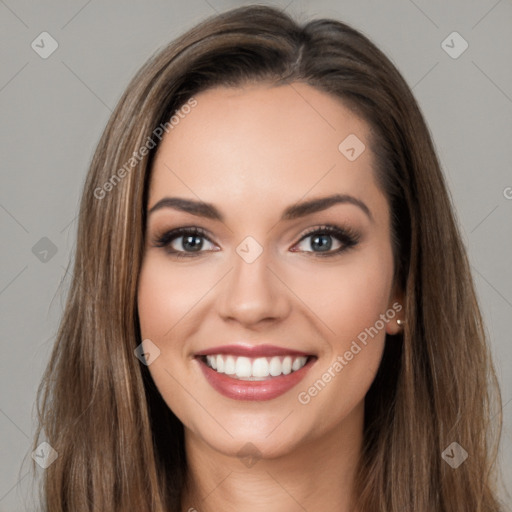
x=165 y=296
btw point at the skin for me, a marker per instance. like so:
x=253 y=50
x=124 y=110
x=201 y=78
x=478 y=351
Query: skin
x=253 y=151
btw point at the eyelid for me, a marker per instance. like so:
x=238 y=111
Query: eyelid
x=332 y=229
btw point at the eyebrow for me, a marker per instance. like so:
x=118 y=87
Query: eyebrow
x=298 y=210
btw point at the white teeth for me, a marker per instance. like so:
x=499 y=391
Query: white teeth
x=260 y=368
x=220 y=364
x=243 y=367
x=287 y=365
x=229 y=365
x=297 y=364
x=275 y=367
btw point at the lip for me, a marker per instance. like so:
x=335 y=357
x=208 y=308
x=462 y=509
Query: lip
x=240 y=349
x=253 y=390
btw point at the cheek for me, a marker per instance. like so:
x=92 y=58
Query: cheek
x=165 y=299
x=349 y=297
x=358 y=293
x=170 y=312
x=167 y=295
x=363 y=297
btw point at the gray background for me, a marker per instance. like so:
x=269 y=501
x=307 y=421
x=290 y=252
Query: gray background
x=53 y=111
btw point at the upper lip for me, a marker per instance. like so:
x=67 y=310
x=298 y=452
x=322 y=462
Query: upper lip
x=247 y=350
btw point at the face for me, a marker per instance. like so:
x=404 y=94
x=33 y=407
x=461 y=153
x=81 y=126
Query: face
x=270 y=318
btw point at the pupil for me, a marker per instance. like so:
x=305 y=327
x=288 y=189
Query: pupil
x=322 y=246
x=194 y=242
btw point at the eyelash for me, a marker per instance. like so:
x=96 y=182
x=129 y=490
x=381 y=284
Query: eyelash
x=348 y=237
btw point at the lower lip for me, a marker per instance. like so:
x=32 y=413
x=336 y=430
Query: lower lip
x=253 y=390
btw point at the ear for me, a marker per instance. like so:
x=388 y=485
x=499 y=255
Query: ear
x=396 y=311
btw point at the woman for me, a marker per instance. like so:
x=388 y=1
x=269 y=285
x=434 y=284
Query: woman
x=217 y=351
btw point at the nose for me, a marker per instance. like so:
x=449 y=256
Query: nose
x=253 y=293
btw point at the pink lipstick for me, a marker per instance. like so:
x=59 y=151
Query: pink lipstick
x=257 y=372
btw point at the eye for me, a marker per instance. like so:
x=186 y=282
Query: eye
x=321 y=240
x=190 y=245
x=191 y=241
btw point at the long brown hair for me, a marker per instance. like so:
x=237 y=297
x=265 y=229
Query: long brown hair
x=120 y=447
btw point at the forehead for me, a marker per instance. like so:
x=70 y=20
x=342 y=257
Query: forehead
x=264 y=144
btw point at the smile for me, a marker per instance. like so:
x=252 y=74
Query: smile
x=261 y=368
x=263 y=372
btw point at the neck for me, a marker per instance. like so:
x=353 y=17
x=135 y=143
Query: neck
x=315 y=475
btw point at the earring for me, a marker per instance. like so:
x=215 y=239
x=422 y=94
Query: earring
x=400 y=322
